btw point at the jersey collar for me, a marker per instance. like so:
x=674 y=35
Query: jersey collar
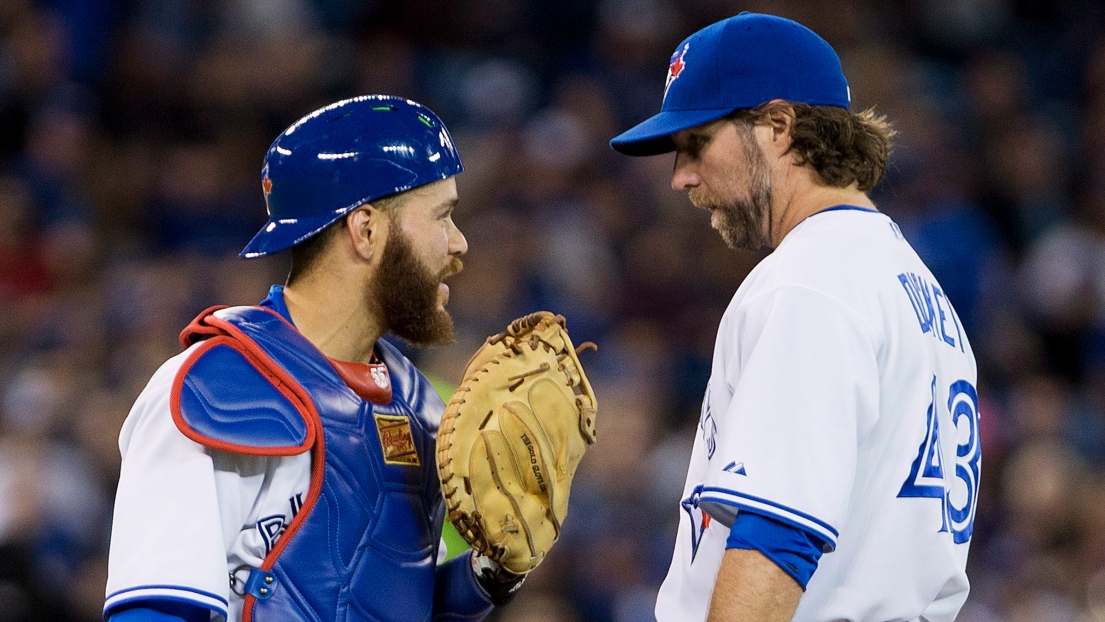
x=843 y=208
x=275 y=301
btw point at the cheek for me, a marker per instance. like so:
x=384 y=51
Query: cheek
x=739 y=179
x=431 y=243
x=724 y=181
x=440 y=239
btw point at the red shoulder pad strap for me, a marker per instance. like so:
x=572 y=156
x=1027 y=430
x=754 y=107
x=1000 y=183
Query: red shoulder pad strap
x=229 y=396
x=199 y=328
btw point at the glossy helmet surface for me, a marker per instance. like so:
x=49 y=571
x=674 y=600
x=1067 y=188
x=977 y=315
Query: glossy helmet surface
x=346 y=154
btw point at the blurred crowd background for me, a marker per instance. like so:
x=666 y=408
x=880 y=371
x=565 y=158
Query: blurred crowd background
x=131 y=139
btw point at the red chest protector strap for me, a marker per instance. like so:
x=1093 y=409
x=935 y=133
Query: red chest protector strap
x=229 y=395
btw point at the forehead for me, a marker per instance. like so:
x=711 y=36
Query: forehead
x=705 y=130
x=446 y=188
x=427 y=202
x=432 y=194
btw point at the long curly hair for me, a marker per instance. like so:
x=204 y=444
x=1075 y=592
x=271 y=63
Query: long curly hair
x=844 y=147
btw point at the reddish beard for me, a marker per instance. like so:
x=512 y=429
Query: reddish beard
x=406 y=293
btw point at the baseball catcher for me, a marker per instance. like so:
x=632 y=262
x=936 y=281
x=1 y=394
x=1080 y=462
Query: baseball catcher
x=511 y=439
x=282 y=467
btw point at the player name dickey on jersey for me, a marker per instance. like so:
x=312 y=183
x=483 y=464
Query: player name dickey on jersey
x=929 y=303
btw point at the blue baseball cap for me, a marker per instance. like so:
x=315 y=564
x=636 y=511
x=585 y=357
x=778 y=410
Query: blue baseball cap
x=739 y=62
x=344 y=155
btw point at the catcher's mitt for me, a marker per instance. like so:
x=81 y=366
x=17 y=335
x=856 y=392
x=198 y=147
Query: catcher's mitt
x=511 y=438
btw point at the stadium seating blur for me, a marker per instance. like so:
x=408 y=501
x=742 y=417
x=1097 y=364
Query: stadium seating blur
x=131 y=139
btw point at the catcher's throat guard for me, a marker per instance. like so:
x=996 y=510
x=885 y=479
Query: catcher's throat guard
x=511 y=439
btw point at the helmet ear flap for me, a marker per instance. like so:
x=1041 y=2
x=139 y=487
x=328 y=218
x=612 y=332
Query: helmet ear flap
x=339 y=157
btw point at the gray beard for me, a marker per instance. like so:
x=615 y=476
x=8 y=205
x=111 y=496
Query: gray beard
x=742 y=222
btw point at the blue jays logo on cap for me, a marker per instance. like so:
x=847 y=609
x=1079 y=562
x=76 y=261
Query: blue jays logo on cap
x=676 y=66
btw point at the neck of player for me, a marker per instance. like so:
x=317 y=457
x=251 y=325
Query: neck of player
x=803 y=194
x=334 y=314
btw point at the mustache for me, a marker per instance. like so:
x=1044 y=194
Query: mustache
x=455 y=267
x=701 y=199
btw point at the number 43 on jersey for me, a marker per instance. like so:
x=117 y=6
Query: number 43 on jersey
x=958 y=495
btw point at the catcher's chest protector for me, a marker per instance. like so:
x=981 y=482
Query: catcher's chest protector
x=364 y=544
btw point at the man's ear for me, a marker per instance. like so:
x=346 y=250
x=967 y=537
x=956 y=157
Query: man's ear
x=367 y=228
x=779 y=118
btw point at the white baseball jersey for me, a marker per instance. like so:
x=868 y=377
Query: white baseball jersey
x=224 y=510
x=842 y=401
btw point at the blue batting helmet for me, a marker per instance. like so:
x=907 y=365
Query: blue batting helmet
x=344 y=155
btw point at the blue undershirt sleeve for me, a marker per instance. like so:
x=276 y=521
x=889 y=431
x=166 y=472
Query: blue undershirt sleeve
x=160 y=611
x=458 y=596
x=795 y=550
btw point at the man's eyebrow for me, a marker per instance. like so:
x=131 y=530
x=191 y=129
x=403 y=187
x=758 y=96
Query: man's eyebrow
x=698 y=133
x=707 y=131
x=695 y=138
x=447 y=205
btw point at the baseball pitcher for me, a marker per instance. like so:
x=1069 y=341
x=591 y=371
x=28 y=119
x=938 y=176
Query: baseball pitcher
x=835 y=473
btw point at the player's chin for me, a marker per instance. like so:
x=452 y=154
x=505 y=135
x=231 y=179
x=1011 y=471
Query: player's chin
x=433 y=329
x=442 y=334
x=721 y=224
x=734 y=237
x=717 y=219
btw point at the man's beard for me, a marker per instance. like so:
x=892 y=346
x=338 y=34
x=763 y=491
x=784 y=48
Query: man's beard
x=407 y=291
x=743 y=221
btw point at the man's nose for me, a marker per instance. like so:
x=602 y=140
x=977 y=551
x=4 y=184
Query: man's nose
x=684 y=176
x=458 y=244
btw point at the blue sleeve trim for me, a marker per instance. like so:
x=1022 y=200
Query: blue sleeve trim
x=778 y=511
x=145 y=594
x=160 y=611
x=780 y=506
x=796 y=551
x=175 y=588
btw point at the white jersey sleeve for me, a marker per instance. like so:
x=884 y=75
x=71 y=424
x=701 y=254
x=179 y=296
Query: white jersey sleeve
x=804 y=384
x=187 y=516
x=166 y=539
